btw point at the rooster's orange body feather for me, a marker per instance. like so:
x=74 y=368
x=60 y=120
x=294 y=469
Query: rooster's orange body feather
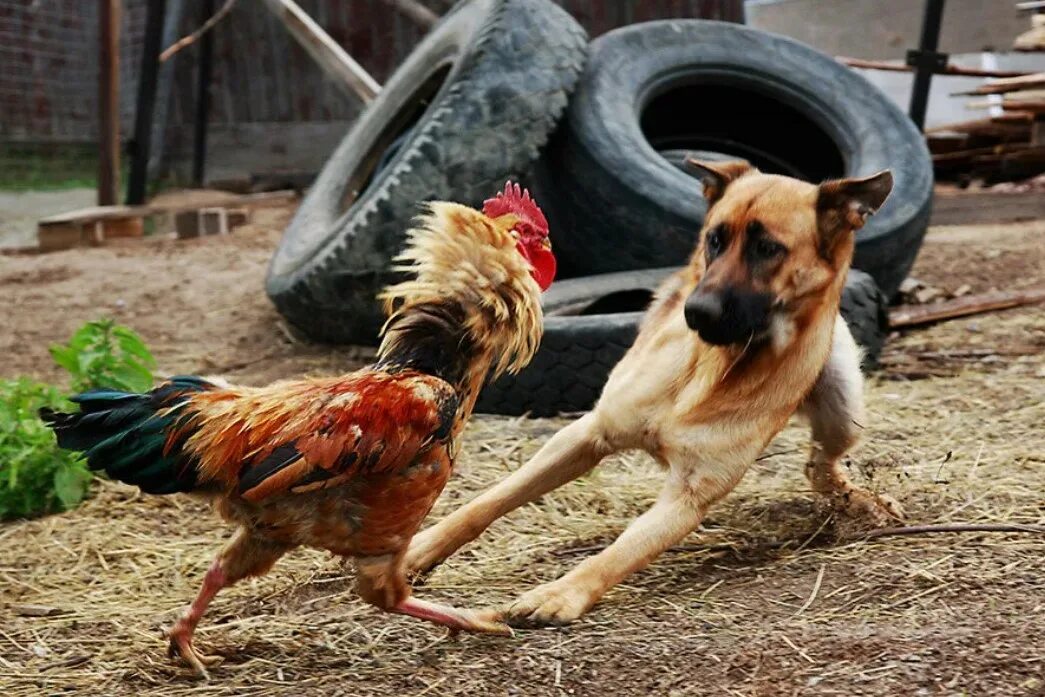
x=373 y=449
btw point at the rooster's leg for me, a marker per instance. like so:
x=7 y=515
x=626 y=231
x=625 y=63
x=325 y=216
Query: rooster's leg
x=382 y=582
x=245 y=556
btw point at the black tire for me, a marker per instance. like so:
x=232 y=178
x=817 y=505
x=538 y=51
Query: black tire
x=469 y=108
x=581 y=347
x=653 y=89
x=866 y=313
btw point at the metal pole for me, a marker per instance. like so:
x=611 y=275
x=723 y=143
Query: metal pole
x=143 y=113
x=108 y=102
x=171 y=23
x=926 y=61
x=199 y=154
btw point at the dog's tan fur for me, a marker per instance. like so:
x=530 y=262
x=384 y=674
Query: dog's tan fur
x=705 y=411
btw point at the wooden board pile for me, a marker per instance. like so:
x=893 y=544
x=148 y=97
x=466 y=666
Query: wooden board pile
x=1007 y=145
x=210 y=213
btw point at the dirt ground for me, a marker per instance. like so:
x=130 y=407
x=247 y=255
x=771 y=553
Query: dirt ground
x=770 y=598
x=19 y=211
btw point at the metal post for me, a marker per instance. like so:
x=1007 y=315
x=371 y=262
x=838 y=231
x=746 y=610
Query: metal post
x=199 y=154
x=143 y=112
x=108 y=101
x=926 y=61
x=175 y=10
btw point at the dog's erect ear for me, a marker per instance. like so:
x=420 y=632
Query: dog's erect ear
x=715 y=176
x=843 y=205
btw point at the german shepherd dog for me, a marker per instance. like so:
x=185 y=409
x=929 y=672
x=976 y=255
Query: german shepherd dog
x=733 y=344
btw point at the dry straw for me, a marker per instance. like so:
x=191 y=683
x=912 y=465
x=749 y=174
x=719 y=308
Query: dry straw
x=85 y=595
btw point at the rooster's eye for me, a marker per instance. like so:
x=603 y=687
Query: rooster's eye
x=514 y=233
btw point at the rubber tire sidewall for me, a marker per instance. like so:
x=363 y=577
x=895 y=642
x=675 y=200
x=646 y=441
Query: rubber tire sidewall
x=514 y=63
x=604 y=175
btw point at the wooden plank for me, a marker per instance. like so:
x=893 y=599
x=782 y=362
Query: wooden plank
x=1011 y=84
x=58 y=236
x=959 y=157
x=121 y=228
x=65 y=234
x=1033 y=106
x=1025 y=154
x=1013 y=124
x=109 y=102
x=914 y=315
x=95 y=213
x=975 y=208
x=898 y=67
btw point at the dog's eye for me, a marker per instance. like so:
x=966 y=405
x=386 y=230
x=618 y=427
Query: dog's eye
x=767 y=249
x=715 y=242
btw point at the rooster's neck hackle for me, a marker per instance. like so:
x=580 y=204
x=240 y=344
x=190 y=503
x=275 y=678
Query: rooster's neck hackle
x=471 y=296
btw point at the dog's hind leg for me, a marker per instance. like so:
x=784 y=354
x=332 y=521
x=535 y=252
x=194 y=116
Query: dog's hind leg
x=835 y=409
x=567 y=455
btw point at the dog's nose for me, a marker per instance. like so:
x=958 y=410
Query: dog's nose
x=703 y=310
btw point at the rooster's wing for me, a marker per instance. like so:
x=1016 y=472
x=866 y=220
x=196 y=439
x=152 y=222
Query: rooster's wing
x=324 y=435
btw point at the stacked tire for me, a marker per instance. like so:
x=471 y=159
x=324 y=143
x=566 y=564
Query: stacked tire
x=480 y=101
x=471 y=107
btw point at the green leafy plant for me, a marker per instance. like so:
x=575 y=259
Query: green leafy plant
x=36 y=477
x=105 y=354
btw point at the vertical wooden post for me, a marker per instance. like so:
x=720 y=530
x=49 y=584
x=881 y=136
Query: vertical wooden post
x=199 y=151
x=108 y=101
x=143 y=112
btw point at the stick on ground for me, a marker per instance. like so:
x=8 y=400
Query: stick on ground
x=913 y=315
x=870 y=535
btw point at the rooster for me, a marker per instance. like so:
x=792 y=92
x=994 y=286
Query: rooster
x=349 y=464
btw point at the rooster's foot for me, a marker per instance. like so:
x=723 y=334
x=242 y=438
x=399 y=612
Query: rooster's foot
x=180 y=637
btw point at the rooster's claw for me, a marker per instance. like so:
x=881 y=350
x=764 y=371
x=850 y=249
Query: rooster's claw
x=181 y=647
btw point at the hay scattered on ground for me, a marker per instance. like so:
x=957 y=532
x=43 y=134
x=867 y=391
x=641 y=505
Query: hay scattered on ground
x=885 y=612
x=825 y=614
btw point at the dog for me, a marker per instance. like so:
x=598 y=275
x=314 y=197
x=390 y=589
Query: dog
x=732 y=345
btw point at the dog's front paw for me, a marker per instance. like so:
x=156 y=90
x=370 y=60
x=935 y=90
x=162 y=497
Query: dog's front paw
x=879 y=510
x=558 y=602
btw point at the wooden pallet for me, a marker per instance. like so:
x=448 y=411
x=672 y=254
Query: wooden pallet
x=90 y=226
x=96 y=225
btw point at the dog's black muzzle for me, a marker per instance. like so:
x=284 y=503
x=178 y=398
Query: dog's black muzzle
x=728 y=316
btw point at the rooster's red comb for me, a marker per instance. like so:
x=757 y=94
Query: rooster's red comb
x=515 y=199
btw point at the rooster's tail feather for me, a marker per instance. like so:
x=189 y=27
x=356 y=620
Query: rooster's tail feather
x=125 y=434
